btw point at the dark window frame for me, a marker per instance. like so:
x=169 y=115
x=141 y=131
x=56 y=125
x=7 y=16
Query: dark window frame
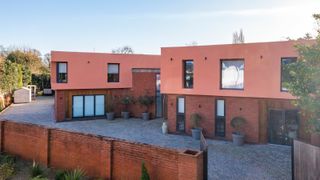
x=184 y=73
x=110 y=80
x=281 y=71
x=94 y=106
x=57 y=75
x=233 y=59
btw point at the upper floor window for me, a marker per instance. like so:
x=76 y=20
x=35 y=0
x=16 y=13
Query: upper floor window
x=188 y=73
x=285 y=76
x=232 y=74
x=113 y=72
x=62 y=72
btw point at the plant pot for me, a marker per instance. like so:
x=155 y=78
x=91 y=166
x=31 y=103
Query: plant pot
x=315 y=139
x=110 y=115
x=238 y=139
x=145 y=116
x=196 y=133
x=164 y=128
x=125 y=115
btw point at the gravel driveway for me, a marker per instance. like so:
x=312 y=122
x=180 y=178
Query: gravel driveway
x=225 y=160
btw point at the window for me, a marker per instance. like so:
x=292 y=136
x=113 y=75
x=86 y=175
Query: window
x=232 y=74
x=62 y=72
x=285 y=76
x=113 y=72
x=188 y=74
x=88 y=106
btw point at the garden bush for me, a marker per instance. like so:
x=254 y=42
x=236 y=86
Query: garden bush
x=6 y=170
x=36 y=170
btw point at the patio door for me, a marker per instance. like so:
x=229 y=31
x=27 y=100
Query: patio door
x=220 y=120
x=88 y=106
x=181 y=118
x=159 y=103
x=283 y=126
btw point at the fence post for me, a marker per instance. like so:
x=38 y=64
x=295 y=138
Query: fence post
x=2 y=136
x=292 y=160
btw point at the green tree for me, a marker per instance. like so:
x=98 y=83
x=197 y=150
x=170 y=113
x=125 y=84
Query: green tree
x=304 y=80
x=10 y=76
x=144 y=173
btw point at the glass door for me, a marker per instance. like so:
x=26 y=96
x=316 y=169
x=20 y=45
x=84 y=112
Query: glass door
x=220 y=123
x=181 y=114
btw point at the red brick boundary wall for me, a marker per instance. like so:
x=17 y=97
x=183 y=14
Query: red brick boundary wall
x=98 y=156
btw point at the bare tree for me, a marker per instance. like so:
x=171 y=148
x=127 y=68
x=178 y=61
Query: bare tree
x=47 y=60
x=192 y=43
x=238 y=38
x=123 y=50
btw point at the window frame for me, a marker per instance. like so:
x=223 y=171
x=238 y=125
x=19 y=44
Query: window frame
x=184 y=73
x=83 y=106
x=57 y=75
x=108 y=79
x=281 y=69
x=233 y=59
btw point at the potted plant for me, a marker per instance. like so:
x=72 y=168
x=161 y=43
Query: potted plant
x=195 y=121
x=110 y=108
x=237 y=124
x=146 y=101
x=164 y=128
x=126 y=101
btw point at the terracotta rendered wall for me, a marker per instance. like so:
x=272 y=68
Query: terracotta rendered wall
x=253 y=109
x=98 y=156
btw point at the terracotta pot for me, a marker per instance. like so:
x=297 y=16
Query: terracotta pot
x=315 y=139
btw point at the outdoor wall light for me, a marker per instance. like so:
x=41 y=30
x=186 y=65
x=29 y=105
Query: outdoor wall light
x=88 y=62
x=199 y=106
x=205 y=58
x=171 y=59
x=261 y=57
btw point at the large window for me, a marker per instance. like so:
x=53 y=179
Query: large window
x=232 y=74
x=113 y=72
x=285 y=76
x=188 y=74
x=62 y=72
x=88 y=105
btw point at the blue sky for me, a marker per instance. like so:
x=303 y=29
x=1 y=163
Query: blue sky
x=100 y=25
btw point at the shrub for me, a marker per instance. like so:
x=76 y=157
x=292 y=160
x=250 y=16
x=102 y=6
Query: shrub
x=144 y=173
x=195 y=120
x=60 y=175
x=126 y=101
x=238 y=123
x=36 y=170
x=76 y=174
x=7 y=159
x=39 y=178
x=6 y=170
x=146 y=101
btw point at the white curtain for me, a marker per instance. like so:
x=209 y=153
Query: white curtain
x=113 y=68
x=62 y=67
x=181 y=105
x=220 y=108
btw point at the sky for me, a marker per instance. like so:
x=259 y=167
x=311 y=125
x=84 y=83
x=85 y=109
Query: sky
x=145 y=25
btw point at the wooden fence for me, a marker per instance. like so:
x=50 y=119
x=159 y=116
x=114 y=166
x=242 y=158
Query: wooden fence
x=306 y=161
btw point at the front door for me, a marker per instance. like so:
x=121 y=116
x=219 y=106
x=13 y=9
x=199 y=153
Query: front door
x=181 y=114
x=220 y=122
x=158 y=97
x=282 y=126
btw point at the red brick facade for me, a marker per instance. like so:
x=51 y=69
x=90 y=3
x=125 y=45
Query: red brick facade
x=254 y=110
x=98 y=156
x=142 y=83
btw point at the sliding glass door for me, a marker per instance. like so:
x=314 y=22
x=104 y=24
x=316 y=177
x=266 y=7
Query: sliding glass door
x=88 y=106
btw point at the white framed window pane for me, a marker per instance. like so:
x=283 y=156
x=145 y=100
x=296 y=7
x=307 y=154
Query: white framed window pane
x=233 y=74
x=180 y=105
x=220 y=107
x=99 y=105
x=77 y=106
x=89 y=106
x=113 y=68
x=62 y=67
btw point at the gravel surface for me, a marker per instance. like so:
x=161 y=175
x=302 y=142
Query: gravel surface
x=225 y=160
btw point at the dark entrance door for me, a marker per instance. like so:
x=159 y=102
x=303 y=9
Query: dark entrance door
x=283 y=126
x=220 y=121
x=181 y=118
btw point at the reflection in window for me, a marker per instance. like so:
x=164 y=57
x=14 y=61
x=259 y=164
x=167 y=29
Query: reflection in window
x=188 y=74
x=285 y=76
x=232 y=74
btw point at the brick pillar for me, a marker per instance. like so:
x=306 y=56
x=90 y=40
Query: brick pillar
x=106 y=158
x=59 y=106
x=190 y=165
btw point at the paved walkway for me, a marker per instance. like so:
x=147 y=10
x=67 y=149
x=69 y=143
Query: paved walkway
x=225 y=160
